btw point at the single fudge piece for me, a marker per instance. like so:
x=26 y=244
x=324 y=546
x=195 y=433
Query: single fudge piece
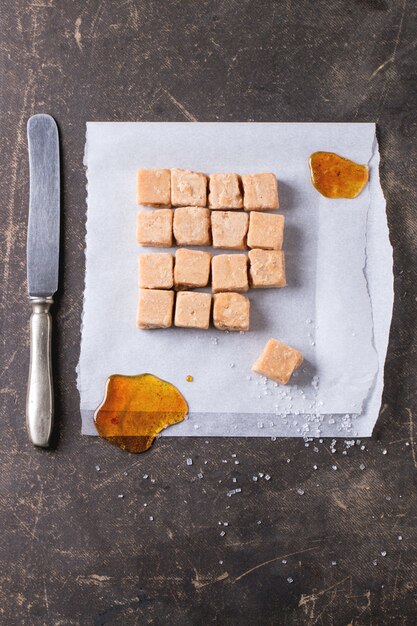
x=260 y=192
x=154 y=228
x=225 y=191
x=192 y=226
x=266 y=230
x=229 y=229
x=192 y=309
x=267 y=268
x=188 y=188
x=231 y=311
x=278 y=361
x=192 y=268
x=156 y=271
x=229 y=272
x=155 y=308
x=154 y=187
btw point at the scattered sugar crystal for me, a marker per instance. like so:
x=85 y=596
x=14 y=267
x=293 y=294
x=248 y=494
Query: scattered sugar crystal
x=196 y=426
x=145 y=476
x=98 y=468
x=375 y=562
x=232 y=365
x=224 y=461
x=189 y=461
x=290 y=580
x=331 y=421
x=334 y=562
x=362 y=447
x=407 y=443
x=334 y=467
x=300 y=492
x=344 y=452
x=200 y=475
x=254 y=478
x=362 y=466
x=314 y=467
x=400 y=537
x=383 y=553
x=315 y=449
x=151 y=518
x=234 y=480
x=288 y=460
x=234 y=456
x=120 y=495
x=220 y=562
x=152 y=480
x=260 y=474
x=236 y=462
x=222 y=533
x=284 y=561
x=267 y=477
x=259 y=522
x=273 y=438
x=384 y=451
x=260 y=425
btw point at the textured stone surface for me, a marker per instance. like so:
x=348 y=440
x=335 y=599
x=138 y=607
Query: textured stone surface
x=72 y=551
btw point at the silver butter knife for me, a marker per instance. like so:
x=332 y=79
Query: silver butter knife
x=42 y=270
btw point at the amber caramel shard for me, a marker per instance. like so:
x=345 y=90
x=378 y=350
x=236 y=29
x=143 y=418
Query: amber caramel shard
x=229 y=272
x=188 y=188
x=225 y=191
x=267 y=268
x=136 y=408
x=156 y=271
x=228 y=229
x=155 y=308
x=192 y=268
x=266 y=230
x=192 y=309
x=154 y=228
x=192 y=226
x=154 y=188
x=336 y=177
x=260 y=192
x=278 y=361
x=231 y=311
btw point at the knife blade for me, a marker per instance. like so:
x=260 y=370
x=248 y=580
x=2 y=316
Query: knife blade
x=42 y=270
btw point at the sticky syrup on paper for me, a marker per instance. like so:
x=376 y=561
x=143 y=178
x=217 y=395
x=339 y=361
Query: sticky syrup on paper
x=136 y=408
x=336 y=177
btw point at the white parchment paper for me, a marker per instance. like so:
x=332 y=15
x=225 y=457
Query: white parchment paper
x=336 y=308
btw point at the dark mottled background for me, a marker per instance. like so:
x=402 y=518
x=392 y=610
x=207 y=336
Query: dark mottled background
x=72 y=551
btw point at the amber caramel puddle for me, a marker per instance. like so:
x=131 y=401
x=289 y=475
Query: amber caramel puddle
x=336 y=177
x=136 y=408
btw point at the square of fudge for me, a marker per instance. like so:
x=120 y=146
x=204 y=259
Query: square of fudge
x=225 y=191
x=188 y=188
x=267 y=268
x=229 y=272
x=192 y=226
x=278 y=361
x=155 y=308
x=192 y=309
x=260 y=192
x=156 y=271
x=154 y=187
x=154 y=228
x=192 y=268
x=266 y=230
x=231 y=311
x=228 y=229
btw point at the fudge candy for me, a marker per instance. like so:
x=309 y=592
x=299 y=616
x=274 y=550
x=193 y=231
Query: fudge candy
x=229 y=272
x=260 y=192
x=192 y=309
x=188 y=188
x=156 y=271
x=154 y=187
x=229 y=229
x=154 y=228
x=192 y=226
x=278 y=361
x=267 y=268
x=192 y=268
x=266 y=230
x=231 y=311
x=155 y=308
x=225 y=191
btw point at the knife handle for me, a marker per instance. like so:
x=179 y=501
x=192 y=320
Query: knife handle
x=40 y=397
